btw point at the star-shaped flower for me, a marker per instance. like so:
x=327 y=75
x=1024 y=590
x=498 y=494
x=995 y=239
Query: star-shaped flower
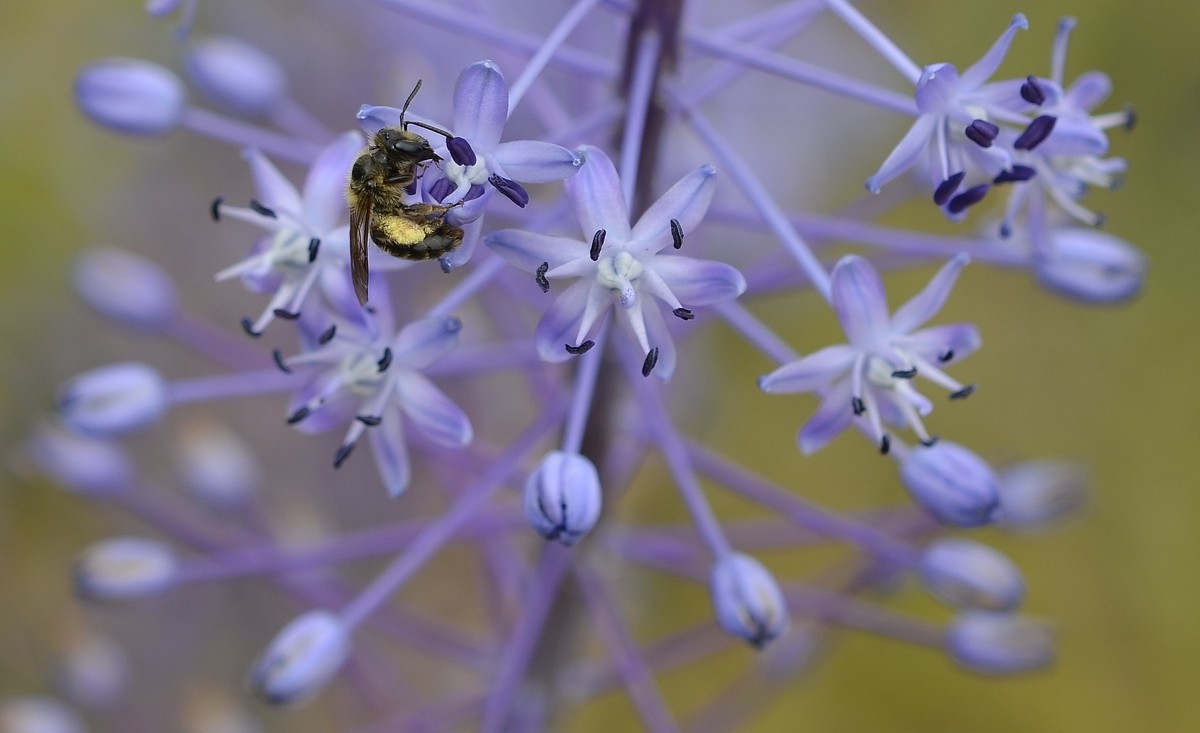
x=617 y=265
x=872 y=374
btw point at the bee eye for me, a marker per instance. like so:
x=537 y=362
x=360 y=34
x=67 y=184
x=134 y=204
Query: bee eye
x=406 y=147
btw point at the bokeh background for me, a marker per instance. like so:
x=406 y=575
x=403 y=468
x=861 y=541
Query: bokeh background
x=1113 y=387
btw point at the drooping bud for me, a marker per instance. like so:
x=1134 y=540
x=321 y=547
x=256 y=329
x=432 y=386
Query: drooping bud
x=563 y=497
x=216 y=467
x=130 y=96
x=235 y=75
x=301 y=659
x=747 y=599
x=999 y=643
x=90 y=466
x=968 y=574
x=1036 y=494
x=38 y=715
x=125 y=567
x=126 y=287
x=1090 y=265
x=113 y=400
x=952 y=483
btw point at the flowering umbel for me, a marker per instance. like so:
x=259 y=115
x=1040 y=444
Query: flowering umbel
x=527 y=462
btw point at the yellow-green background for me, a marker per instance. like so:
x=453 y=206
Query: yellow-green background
x=1113 y=387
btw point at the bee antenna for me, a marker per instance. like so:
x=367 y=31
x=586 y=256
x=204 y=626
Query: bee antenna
x=438 y=130
x=407 y=102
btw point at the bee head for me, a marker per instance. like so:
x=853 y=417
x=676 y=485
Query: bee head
x=404 y=145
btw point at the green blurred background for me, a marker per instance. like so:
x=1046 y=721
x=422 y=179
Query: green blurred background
x=1112 y=387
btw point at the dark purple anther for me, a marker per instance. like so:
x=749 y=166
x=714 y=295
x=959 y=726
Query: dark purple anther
x=1036 y=133
x=597 y=243
x=1032 y=92
x=947 y=188
x=314 y=247
x=967 y=198
x=461 y=151
x=215 y=209
x=540 y=277
x=1130 y=118
x=580 y=349
x=982 y=133
x=1017 y=174
x=263 y=210
x=676 y=233
x=342 y=454
x=651 y=360
x=385 y=361
x=440 y=189
x=511 y=189
x=963 y=393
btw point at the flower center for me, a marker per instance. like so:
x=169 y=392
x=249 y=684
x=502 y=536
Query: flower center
x=618 y=273
x=361 y=374
x=290 y=250
x=879 y=373
x=474 y=175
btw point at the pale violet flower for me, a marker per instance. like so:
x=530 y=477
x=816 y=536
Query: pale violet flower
x=562 y=497
x=131 y=96
x=617 y=265
x=308 y=229
x=872 y=374
x=302 y=658
x=747 y=600
x=475 y=164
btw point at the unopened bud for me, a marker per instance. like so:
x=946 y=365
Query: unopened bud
x=131 y=96
x=91 y=466
x=302 y=658
x=93 y=671
x=1000 y=643
x=217 y=467
x=968 y=574
x=952 y=483
x=1090 y=265
x=747 y=599
x=113 y=400
x=38 y=715
x=235 y=75
x=562 y=497
x=1040 y=493
x=125 y=287
x=125 y=567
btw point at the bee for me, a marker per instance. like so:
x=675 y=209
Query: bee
x=379 y=180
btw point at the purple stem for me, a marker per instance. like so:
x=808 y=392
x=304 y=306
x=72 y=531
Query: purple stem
x=219 y=127
x=216 y=343
x=553 y=42
x=222 y=386
x=637 y=105
x=581 y=396
x=878 y=40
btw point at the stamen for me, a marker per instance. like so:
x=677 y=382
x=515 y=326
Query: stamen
x=651 y=360
x=683 y=313
x=259 y=208
x=342 y=454
x=277 y=355
x=511 y=189
x=386 y=360
x=963 y=393
x=967 y=198
x=1130 y=118
x=930 y=441
x=540 y=277
x=286 y=314
x=369 y=420
x=1032 y=92
x=947 y=188
x=885 y=445
x=299 y=415
x=857 y=405
x=905 y=373
x=982 y=133
x=314 y=246
x=580 y=349
x=1018 y=174
x=248 y=327
x=214 y=209
x=461 y=151
x=328 y=335
x=1036 y=133
x=947 y=356
x=676 y=233
x=597 y=243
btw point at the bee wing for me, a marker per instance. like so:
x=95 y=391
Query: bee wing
x=360 y=239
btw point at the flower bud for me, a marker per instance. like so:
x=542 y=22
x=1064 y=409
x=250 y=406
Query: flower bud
x=301 y=658
x=968 y=574
x=113 y=400
x=747 y=599
x=1039 y=493
x=126 y=287
x=93 y=671
x=562 y=497
x=235 y=75
x=952 y=483
x=90 y=466
x=131 y=96
x=1090 y=265
x=37 y=715
x=999 y=643
x=216 y=467
x=125 y=567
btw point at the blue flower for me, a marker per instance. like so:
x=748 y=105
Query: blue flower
x=617 y=264
x=872 y=374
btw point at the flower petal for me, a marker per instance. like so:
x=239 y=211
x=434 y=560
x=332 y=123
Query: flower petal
x=373 y=118
x=982 y=70
x=860 y=303
x=595 y=194
x=273 y=189
x=954 y=340
x=533 y=161
x=830 y=419
x=686 y=201
x=560 y=323
x=659 y=335
x=472 y=233
x=481 y=105
x=699 y=282
x=1089 y=90
x=432 y=411
x=423 y=342
x=813 y=372
x=391 y=452
x=925 y=304
x=906 y=153
x=325 y=187
x=528 y=250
